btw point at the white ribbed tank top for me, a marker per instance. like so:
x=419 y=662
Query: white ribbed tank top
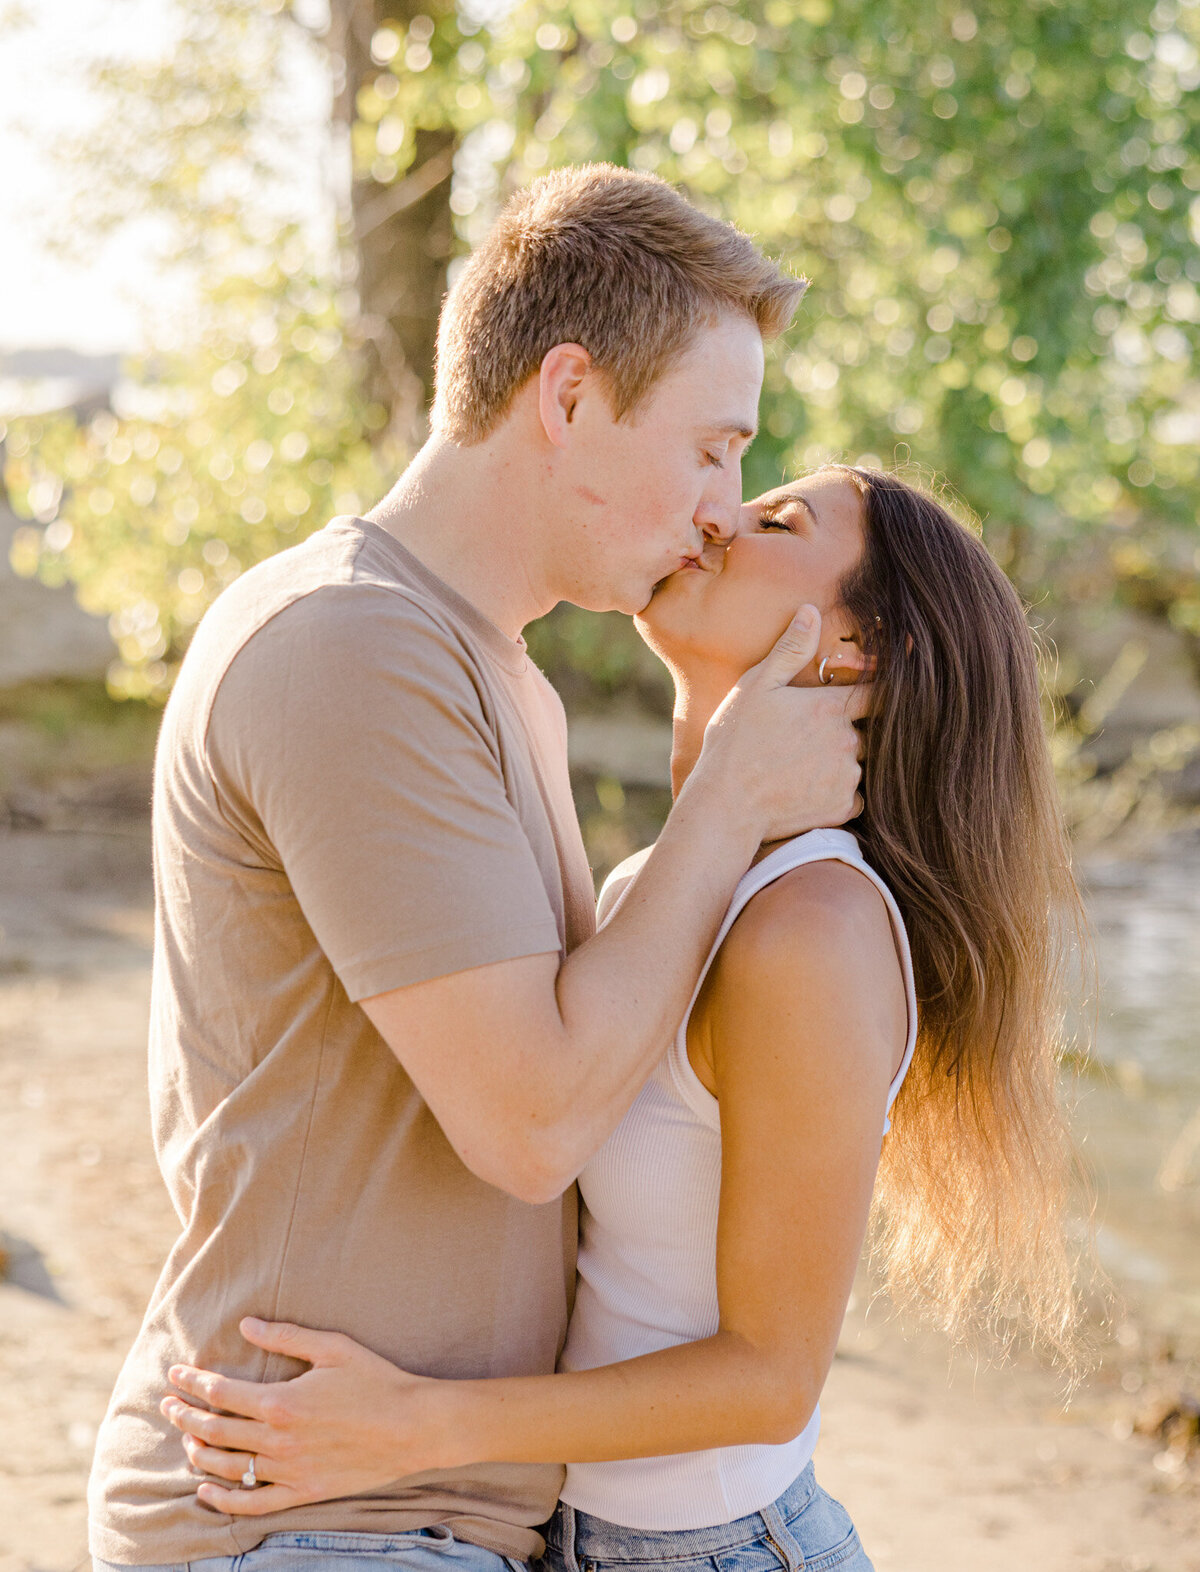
x=648 y=1255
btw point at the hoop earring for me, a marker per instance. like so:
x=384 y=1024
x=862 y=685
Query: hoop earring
x=825 y=680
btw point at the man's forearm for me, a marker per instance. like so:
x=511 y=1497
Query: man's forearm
x=529 y=1065
x=622 y=995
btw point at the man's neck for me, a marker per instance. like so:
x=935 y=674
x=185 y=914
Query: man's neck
x=467 y=515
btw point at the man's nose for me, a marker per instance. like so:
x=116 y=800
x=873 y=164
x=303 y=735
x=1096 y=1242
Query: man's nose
x=719 y=518
x=719 y=532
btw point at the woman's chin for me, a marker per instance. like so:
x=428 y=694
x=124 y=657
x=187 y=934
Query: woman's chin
x=655 y=621
x=674 y=644
x=648 y=631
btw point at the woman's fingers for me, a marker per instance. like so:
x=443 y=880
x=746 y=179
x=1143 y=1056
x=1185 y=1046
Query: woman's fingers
x=250 y=1503
x=241 y=1501
x=297 y=1342
x=225 y=1465
x=264 y=1400
x=218 y=1391
x=242 y=1435
x=326 y=1432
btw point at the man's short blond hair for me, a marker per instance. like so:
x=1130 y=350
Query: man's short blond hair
x=608 y=258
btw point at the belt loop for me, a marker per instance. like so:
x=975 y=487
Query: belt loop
x=782 y=1538
x=568 y=1527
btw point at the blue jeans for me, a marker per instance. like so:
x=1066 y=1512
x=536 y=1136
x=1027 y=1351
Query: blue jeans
x=804 y=1529
x=424 y=1550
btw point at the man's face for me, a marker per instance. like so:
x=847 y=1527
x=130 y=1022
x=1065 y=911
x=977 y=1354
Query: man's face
x=643 y=494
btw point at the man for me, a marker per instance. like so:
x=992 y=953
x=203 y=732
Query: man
x=384 y=1039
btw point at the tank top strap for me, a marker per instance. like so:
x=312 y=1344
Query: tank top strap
x=812 y=846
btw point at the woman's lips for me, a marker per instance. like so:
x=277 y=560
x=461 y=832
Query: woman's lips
x=711 y=562
x=690 y=565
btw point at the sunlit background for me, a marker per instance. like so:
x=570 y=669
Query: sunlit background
x=63 y=285
x=228 y=226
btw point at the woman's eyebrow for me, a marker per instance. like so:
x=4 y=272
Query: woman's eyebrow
x=771 y=510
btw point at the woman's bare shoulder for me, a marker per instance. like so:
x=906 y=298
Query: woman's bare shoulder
x=619 y=881
x=814 y=912
x=813 y=956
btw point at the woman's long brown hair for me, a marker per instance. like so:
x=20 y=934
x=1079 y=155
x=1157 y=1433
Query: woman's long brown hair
x=962 y=819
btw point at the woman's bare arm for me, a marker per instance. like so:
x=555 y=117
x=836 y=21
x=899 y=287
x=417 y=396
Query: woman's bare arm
x=803 y=1025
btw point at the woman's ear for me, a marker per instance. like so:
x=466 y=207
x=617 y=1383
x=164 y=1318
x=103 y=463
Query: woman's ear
x=846 y=662
x=856 y=659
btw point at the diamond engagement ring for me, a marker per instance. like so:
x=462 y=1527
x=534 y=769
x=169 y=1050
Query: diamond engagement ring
x=249 y=1482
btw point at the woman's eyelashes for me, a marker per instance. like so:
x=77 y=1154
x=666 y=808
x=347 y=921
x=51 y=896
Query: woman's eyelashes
x=776 y=524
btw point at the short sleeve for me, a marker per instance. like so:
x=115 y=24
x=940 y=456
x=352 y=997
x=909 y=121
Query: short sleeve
x=351 y=741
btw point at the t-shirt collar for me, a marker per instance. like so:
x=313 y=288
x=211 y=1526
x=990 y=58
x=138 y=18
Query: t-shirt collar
x=511 y=654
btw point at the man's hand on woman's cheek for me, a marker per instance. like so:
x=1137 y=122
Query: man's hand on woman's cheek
x=351 y=1423
x=792 y=752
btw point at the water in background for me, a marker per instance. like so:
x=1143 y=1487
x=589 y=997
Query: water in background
x=1139 y=1109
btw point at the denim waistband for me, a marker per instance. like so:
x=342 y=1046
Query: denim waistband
x=596 y=1539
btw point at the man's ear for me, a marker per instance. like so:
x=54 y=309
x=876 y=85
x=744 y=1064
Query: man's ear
x=560 y=379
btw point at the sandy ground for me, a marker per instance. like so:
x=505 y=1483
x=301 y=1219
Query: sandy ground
x=984 y=1473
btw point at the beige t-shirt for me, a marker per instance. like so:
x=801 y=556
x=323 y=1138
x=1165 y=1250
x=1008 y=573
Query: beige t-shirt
x=361 y=784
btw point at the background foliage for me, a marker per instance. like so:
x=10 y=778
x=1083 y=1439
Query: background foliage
x=998 y=206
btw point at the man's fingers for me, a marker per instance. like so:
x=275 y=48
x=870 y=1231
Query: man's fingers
x=795 y=749
x=793 y=650
x=244 y=1435
x=857 y=697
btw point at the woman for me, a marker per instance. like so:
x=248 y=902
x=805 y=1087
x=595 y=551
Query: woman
x=724 y=1217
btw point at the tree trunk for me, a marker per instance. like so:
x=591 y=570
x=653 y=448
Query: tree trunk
x=403 y=232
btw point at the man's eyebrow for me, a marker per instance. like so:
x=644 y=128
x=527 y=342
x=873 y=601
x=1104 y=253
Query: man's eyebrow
x=736 y=428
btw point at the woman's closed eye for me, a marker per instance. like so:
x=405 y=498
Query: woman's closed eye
x=777 y=524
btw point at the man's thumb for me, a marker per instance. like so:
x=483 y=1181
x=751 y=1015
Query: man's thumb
x=794 y=649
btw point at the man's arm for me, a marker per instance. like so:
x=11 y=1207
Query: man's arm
x=528 y=1064
x=802 y=1030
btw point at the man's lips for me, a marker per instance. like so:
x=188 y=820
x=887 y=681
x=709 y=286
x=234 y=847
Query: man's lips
x=710 y=561
x=689 y=565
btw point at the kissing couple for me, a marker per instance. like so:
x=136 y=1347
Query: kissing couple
x=506 y=1237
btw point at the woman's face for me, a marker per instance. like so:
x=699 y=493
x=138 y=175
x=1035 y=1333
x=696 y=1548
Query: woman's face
x=796 y=545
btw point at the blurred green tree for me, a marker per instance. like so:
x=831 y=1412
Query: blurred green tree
x=255 y=436
x=998 y=205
